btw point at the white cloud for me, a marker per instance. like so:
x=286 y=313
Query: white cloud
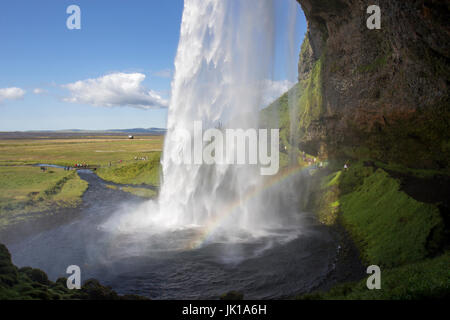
x=39 y=91
x=12 y=93
x=274 y=90
x=166 y=73
x=115 y=89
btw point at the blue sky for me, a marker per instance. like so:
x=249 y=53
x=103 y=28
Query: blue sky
x=44 y=66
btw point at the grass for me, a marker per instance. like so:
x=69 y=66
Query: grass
x=99 y=151
x=140 y=192
x=427 y=279
x=134 y=172
x=391 y=229
x=27 y=190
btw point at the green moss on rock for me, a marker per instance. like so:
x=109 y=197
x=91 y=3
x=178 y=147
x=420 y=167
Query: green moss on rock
x=296 y=110
x=427 y=279
x=390 y=227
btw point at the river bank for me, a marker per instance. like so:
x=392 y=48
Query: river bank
x=35 y=199
x=27 y=194
x=57 y=209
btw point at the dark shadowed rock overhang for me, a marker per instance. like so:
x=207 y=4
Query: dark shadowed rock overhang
x=385 y=92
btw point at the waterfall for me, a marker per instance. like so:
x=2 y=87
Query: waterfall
x=225 y=50
x=225 y=57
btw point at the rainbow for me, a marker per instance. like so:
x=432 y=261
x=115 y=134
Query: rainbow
x=215 y=222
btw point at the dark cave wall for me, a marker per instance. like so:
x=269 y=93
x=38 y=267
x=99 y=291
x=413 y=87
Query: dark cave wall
x=384 y=92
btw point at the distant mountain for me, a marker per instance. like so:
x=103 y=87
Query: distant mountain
x=140 y=130
x=152 y=131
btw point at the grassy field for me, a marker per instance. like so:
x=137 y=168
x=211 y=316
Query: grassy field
x=140 y=192
x=27 y=190
x=134 y=172
x=95 y=151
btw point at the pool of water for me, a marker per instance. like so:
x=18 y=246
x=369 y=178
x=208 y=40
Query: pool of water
x=158 y=265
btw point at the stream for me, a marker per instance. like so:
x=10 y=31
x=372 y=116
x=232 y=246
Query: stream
x=262 y=268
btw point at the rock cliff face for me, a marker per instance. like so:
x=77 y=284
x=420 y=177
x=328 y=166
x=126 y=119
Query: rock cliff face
x=384 y=93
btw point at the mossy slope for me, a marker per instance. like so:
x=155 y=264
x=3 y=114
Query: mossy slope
x=390 y=227
x=426 y=279
x=405 y=237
